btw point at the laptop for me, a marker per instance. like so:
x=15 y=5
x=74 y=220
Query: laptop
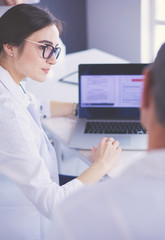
x=109 y=101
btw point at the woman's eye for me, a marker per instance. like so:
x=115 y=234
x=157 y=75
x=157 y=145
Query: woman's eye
x=42 y=47
x=47 y=48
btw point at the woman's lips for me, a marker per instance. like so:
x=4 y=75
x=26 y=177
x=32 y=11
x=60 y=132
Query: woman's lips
x=45 y=70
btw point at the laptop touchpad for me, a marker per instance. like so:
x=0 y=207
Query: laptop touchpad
x=124 y=140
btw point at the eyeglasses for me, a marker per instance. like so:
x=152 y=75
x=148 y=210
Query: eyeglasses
x=48 y=49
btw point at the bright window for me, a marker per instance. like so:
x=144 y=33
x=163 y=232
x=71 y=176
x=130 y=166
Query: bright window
x=159 y=26
x=152 y=28
x=160 y=10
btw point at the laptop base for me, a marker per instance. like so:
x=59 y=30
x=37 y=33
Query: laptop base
x=87 y=141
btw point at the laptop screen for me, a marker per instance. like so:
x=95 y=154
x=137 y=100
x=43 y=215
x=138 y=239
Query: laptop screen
x=110 y=90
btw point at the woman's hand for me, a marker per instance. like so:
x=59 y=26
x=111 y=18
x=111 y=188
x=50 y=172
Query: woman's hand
x=106 y=153
x=104 y=158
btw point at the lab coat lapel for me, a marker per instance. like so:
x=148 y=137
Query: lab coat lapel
x=34 y=114
x=51 y=165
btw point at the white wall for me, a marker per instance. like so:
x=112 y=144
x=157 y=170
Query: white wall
x=114 y=26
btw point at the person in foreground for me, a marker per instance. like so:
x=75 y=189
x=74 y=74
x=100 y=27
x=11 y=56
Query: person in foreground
x=132 y=206
x=30 y=191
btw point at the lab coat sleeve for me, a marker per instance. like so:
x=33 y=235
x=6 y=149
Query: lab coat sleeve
x=21 y=162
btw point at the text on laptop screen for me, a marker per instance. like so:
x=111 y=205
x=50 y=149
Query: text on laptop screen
x=111 y=91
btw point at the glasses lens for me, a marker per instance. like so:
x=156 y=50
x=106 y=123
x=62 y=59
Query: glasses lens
x=57 y=52
x=49 y=50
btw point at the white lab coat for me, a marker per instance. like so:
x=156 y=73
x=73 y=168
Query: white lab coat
x=130 y=207
x=29 y=189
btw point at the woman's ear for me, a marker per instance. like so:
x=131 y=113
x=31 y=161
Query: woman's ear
x=146 y=95
x=9 y=49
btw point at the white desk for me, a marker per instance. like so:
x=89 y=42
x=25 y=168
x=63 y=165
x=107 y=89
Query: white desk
x=60 y=129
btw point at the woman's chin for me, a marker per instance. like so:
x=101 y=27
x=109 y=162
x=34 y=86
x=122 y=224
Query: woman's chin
x=39 y=79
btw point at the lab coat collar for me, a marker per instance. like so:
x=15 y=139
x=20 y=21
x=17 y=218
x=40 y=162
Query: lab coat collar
x=16 y=90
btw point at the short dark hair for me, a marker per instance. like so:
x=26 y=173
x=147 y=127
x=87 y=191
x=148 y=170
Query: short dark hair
x=21 y=21
x=158 y=84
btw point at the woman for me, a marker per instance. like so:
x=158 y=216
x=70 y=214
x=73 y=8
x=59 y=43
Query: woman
x=28 y=167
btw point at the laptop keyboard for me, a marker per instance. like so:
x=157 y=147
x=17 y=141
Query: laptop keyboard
x=114 y=127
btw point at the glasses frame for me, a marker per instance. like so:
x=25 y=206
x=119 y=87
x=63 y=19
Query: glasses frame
x=55 y=50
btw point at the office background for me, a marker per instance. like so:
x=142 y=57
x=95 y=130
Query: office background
x=109 y=25
x=130 y=29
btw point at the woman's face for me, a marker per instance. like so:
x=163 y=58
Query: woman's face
x=30 y=63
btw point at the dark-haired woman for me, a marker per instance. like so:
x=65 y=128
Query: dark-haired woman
x=29 y=47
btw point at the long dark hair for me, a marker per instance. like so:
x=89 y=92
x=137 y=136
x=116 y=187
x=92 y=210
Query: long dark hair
x=21 y=21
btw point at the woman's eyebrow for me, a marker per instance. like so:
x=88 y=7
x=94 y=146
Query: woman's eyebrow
x=48 y=42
